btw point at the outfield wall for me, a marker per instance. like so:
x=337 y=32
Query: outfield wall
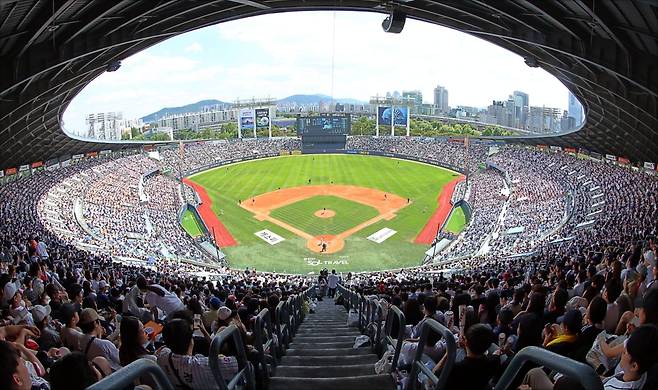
x=325 y=151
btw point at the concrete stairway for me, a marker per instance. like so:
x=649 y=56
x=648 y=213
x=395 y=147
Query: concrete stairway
x=321 y=356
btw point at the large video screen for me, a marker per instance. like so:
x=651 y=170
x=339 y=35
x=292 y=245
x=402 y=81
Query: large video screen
x=324 y=124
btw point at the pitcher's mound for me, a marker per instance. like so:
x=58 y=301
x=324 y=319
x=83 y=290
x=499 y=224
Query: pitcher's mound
x=325 y=213
x=333 y=243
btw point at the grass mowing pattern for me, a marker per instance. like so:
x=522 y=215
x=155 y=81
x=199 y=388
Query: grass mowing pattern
x=191 y=224
x=456 y=222
x=420 y=182
x=348 y=214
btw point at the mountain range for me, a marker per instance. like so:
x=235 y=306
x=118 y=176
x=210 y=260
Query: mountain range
x=198 y=106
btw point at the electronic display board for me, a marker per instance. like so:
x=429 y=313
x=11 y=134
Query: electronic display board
x=324 y=124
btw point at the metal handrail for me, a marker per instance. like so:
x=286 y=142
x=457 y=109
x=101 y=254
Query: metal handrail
x=281 y=326
x=263 y=341
x=439 y=383
x=375 y=320
x=569 y=367
x=394 y=315
x=126 y=376
x=245 y=374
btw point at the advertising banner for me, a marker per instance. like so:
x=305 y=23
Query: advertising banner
x=384 y=115
x=247 y=119
x=649 y=165
x=611 y=157
x=397 y=114
x=10 y=171
x=570 y=150
x=77 y=156
x=65 y=163
x=400 y=115
x=262 y=118
x=37 y=164
x=623 y=160
x=2 y=173
x=24 y=168
x=92 y=154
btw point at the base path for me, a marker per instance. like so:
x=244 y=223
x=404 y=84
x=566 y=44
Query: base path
x=387 y=204
x=431 y=229
x=223 y=237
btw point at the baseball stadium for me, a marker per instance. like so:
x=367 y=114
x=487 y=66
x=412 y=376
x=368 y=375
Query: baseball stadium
x=322 y=256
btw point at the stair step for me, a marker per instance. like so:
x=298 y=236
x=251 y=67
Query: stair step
x=322 y=339
x=299 y=345
x=365 y=382
x=328 y=360
x=328 y=352
x=325 y=372
x=327 y=332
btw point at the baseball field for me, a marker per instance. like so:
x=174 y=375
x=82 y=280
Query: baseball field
x=299 y=214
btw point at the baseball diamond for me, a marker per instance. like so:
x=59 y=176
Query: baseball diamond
x=349 y=198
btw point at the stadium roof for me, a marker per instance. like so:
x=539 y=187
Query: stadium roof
x=604 y=51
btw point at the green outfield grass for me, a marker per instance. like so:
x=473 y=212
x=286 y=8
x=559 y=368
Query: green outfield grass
x=191 y=224
x=420 y=182
x=301 y=214
x=456 y=221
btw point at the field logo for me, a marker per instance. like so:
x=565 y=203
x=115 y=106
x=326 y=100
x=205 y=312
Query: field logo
x=269 y=237
x=381 y=235
x=313 y=262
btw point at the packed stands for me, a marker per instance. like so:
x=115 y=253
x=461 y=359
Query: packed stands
x=578 y=281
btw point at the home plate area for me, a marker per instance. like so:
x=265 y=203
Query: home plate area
x=325 y=215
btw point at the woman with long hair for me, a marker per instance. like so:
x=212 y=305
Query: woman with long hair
x=133 y=339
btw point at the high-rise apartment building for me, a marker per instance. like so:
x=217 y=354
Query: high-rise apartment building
x=441 y=99
x=575 y=110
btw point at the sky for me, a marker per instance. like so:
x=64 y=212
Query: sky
x=284 y=54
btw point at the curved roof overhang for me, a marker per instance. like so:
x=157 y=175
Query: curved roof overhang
x=605 y=52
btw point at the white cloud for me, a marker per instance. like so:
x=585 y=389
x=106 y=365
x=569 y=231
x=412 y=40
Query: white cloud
x=194 y=48
x=283 y=54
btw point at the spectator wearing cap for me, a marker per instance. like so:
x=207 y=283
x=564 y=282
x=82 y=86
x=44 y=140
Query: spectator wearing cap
x=92 y=342
x=17 y=308
x=210 y=315
x=49 y=337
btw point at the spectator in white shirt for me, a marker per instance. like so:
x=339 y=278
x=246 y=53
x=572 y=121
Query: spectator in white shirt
x=158 y=297
x=332 y=283
x=92 y=343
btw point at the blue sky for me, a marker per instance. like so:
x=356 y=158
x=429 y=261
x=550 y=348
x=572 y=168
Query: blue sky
x=291 y=53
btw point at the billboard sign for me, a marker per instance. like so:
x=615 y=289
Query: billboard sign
x=398 y=115
x=262 y=118
x=247 y=119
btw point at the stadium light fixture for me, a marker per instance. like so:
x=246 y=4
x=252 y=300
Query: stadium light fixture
x=113 y=66
x=394 y=22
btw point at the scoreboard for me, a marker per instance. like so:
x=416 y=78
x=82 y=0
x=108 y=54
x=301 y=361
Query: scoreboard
x=323 y=125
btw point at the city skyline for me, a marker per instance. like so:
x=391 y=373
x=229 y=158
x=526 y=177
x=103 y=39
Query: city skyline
x=255 y=57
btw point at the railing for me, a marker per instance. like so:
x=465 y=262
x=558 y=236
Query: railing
x=417 y=367
x=394 y=316
x=282 y=326
x=370 y=315
x=245 y=375
x=264 y=342
x=127 y=375
x=571 y=368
